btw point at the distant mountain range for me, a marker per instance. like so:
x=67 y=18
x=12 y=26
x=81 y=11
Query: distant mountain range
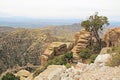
x=34 y=23
x=6 y=28
x=25 y=22
x=61 y=32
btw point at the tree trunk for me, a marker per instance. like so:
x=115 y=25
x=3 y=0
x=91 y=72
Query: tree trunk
x=97 y=38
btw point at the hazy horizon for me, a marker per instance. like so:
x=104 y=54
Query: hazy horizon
x=60 y=9
x=37 y=13
x=24 y=22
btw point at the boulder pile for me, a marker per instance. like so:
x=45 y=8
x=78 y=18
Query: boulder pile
x=23 y=74
x=80 y=72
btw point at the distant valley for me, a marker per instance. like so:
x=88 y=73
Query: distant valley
x=28 y=44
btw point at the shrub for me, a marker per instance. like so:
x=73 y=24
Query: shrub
x=58 y=60
x=68 y=55
x=92 y=57
x=95 y=48
x=10 y=76
x=115 y=61
x=85 y=53
x=116 y=49
x=68 y=65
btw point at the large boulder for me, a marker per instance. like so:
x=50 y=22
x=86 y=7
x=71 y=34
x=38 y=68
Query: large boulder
x=53 y=72
x=55 y=49
x=23 y=74
x=69 y=45
x=43 y=59
x=102 y=59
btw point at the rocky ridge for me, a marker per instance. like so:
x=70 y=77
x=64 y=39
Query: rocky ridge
x=112 y=37
x=82 y=40
x=94 y=71
x=22 y=46
x=55 y=49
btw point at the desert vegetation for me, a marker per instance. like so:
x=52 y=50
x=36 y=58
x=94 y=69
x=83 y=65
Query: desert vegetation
x=22 y=46
x=64 y=59
x=115 y=52
x=10 y=76
x=95 y=23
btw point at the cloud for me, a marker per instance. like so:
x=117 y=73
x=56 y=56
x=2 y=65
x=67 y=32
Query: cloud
x=59 y=8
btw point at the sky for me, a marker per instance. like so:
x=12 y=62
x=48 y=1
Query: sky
x=60 y=8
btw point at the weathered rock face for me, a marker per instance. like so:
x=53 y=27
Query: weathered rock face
x=102 y=59
x=80 y=72
x=55 y=49
x=23 y=74
x=82 y=40
x=53 y=72
x=112 y=37
x=105 y=50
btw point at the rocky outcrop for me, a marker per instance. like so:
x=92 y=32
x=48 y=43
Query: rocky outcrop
x=55 y=49
x=102 y=59
x=80 y=71
x=82 y=40
x=105 y=50
x=23 y=74
x=96 y=72
x=112 y=37
x=53 y=72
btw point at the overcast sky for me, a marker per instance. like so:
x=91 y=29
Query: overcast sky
x=60 y=8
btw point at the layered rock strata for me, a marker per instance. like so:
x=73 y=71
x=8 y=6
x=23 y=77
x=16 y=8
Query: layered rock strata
x=55 y=49
x=82 y=40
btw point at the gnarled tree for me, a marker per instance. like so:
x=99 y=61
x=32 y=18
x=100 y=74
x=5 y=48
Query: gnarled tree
x=95 y=23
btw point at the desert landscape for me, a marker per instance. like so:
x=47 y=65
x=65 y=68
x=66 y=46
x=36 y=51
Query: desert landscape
x=59 y=40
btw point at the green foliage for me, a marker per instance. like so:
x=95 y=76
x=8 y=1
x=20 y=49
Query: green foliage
x=92 y=57
x=68 y=65
x=68 y=55
x=115 y=61
x=95 y=48
x=30 y=69
x=95 y=23
x=113 y=48
x=89 y=54
x=86 y=24
x=116 y=49
x=58 y=60
x=22 y=46
x=85 y=53
x=10 y=76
